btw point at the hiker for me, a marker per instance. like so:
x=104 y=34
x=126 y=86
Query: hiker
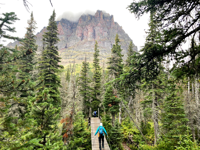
x=95 y=113
x=89 y=121
x=101 y=129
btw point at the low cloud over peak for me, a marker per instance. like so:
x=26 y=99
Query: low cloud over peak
x=74 y=16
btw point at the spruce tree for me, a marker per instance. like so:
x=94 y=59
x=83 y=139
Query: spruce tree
x=116 y=136
x=81 y=138
x=154 y=94
x=46 y=110
x=111 y=102
x=14 y=135
x=85 y=89
x=26 y=64
x=174 y=121
x=96 y=78
x=115 y=61
x=174 y=33
x=116 y=68
x=129 y=54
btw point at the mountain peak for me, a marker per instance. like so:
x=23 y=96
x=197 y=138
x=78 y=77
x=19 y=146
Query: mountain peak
x=77 y=38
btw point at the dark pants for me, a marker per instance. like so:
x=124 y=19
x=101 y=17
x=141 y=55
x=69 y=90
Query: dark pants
x=101 y=138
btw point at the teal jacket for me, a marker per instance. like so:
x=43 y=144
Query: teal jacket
x=103 y=130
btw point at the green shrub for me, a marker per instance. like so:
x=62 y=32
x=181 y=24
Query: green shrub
x=186 y=143
x=81 y=134
x=129 y=130
x=147 y=147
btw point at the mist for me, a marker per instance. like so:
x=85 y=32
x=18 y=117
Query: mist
x=73 y=16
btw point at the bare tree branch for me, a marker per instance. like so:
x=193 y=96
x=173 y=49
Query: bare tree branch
x=26 y=4
x=51 y=3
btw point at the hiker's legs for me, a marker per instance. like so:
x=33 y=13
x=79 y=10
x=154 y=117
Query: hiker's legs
x=101 y=138
x=100 y=142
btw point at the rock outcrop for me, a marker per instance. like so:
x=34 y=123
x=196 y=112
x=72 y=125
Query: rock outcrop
x=77 y=39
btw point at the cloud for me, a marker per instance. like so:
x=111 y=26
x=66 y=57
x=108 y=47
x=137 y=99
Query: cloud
x=74 y=16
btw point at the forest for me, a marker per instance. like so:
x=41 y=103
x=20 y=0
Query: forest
x=149 y=101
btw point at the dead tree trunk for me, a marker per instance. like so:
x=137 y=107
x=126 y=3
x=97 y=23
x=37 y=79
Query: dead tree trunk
x=120 y=113
x=113 y=119
x=134 y=122
x=155 y=115
x=191 y=118
x=196 y=96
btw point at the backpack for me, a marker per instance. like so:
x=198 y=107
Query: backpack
x=95 y=113
x=101 y=130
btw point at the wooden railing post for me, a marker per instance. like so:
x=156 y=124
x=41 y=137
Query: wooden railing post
x=98 y=113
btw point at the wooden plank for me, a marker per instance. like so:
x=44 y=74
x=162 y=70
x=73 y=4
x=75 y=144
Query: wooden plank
x=95 y=122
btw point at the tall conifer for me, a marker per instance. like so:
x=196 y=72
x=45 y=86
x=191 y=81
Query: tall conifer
x=85 y=89
x=116 y=68
x=111 y=102
x=46 y=110
x=96 y=78
x=27 y=62
x=115 y=61
x=173 y=118
x=129 y=54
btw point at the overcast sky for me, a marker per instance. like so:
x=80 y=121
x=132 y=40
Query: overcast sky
x=42 y=10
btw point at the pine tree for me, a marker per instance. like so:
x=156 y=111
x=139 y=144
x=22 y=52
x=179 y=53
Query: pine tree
x=14 y=135
x=154 y=93
x=173 y=32
x=85 y=89
x=153 y=87
x=96 y=78
x=173 y=118
x=81 y=135
x=111 y=102
x=116 y=136
x=116 y=68
x=46 y=110
x=129 y=54
x=26 y=64
x=115 y=61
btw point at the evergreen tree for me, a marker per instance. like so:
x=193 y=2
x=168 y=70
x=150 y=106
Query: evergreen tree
x=153 y=87
x=116 y=136
x=14 y=135
x=173 y=118
x=96 y=78
x=129 y=54
x=154 y=93
x=115 y=61
x=81 y=138
x=26 y=64
x=116 y=68
x=174 y=33
x=111 y=102
x=85 y=89
x=46 y=110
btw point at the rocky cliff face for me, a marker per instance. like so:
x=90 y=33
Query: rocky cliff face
x=77 y=39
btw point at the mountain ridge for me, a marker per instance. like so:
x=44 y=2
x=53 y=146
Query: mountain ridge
x=77 y=39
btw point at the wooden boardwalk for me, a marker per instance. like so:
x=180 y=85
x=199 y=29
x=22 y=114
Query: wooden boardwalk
x=95 y=122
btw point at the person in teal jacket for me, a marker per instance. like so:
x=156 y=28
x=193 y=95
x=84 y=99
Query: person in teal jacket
x=100 y=131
